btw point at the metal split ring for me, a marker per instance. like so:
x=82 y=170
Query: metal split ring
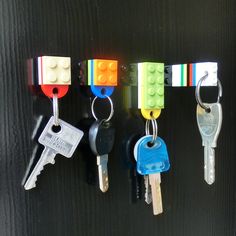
x=112 y=109
x=55 y=109
x=197 y=92
x=154 y=129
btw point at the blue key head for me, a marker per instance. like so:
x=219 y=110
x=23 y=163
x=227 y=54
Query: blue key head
x=153 y=158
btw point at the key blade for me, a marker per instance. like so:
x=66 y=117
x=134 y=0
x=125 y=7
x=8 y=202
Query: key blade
x=155 y=180
x=103 y=172
x=136 y=188
x=148 y=193
x=46 y=157
x=209 y=165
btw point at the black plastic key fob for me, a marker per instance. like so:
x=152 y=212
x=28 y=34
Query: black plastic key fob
x=101 y=137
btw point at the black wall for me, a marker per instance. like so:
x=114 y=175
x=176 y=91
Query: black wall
x=154 y=30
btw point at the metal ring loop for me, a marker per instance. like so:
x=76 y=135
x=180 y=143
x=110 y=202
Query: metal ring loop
x=112 y=108
x=197 y=92
x=154 y=129
x=55 y=109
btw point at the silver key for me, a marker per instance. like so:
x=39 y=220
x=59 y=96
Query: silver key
x=148 y=192
x=155 y=182
x=209 y=124
x=63 y=142
x=102 y=172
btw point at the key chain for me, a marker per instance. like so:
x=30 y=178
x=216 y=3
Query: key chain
x=150 y=151
x=209 y=120
x=101 y=76
x=101 y=139
x=152 y=158
x=58 y=137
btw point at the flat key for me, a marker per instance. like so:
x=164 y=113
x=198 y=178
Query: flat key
x=155 y=182
x=103 y=172
x=148 y=192
x=209 y=124
x=62 y=141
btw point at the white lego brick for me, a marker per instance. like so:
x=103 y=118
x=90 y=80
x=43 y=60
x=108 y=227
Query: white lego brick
x=55 y=70
x=176 y=75
x=211 y=68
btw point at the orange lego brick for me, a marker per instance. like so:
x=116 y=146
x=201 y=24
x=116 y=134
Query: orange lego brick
x=105 y=72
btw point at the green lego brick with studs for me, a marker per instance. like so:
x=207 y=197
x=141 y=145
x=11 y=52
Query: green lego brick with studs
x=152 y=82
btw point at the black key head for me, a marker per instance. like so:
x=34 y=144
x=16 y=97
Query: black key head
x=101 y=137
x=128 y=149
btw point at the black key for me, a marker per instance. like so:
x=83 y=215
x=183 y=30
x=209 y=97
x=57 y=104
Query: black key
x=101 y=139
x=135 y=178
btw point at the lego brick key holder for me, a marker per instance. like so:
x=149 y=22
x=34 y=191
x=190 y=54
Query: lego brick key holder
x=53 y=75
x=101 y=76
x=54 y=78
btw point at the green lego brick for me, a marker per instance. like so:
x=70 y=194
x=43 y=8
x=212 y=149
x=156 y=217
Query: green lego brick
x=152 y=85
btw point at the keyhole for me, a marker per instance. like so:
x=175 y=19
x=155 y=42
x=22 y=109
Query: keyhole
x=56 y=128
x=103 y=91
x=150 y=144
x=55 y=91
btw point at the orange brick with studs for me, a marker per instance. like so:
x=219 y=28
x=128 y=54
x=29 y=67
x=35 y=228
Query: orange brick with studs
x=105 y=72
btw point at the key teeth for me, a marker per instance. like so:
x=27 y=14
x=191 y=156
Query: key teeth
x=35 y=180
x=36 y=177
x=52 y=161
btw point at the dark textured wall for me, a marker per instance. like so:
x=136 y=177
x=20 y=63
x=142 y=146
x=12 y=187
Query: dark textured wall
x=161 y=30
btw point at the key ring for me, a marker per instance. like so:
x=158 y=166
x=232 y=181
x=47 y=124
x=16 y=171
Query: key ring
x=154 y=129
x=197 y=92
x=55 y=109
x=112 y=108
